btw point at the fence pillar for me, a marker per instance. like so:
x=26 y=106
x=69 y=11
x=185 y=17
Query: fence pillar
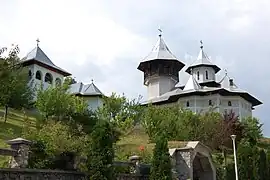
x=22 y=146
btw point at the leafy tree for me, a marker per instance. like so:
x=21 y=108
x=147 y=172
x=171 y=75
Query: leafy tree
x=15 y=89
x=58 y=102
x=122 y=112
x=252 y=130
x=51 y=140
x=70 y=80
x=161 y=162
x=101 y=153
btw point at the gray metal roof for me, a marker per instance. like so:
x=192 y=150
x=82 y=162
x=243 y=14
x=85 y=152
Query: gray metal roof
x=192 y=84
x=225 y=82
x=202 y=60
x=166 y=97
x=160 y=51
x=85 y=89
x=38 y=55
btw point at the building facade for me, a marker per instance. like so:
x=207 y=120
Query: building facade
x=202 y=92
x=44 y=73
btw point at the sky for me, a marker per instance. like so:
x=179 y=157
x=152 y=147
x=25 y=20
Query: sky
x=105 y=40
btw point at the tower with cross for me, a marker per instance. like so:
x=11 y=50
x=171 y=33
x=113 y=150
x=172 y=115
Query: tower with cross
x=42 y=70
x=203 y=70
x=160 y=68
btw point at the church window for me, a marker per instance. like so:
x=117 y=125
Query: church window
x=48 y=78
x=210 y=102
x=198 y=75
x=187 y=104
x=58 y=82
x=229 y=103
x=38 y=75
x=206 y=74
x=30 y=74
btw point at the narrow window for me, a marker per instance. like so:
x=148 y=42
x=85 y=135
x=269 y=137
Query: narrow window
x=58 y=82
x=198 y=75
x=206 y=74
x=229 y=103
x=187 y=103
x=38 y=75
x=210 y=102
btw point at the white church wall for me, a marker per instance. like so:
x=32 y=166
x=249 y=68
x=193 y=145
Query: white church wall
x=211 y=76
x=160 y=85
x=93 y=102
x=43 y=73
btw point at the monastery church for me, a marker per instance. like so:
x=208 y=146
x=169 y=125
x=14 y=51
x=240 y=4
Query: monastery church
x=161 y=74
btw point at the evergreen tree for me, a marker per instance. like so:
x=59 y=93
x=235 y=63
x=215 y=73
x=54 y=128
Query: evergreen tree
x=263 y=170
x=101 y=153
x=161 y=163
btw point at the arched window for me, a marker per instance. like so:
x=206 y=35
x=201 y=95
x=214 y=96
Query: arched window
x=187 y=104
x=206 y=74
x=198 y=75
x=58 y=82
x=229 y=103
x=48 y=78
x=38 y=75
x=210 y=102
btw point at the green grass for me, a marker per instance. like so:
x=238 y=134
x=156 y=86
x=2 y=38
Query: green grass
x=12 y=128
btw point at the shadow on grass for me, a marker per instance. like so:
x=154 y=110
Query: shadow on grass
x=9 y=131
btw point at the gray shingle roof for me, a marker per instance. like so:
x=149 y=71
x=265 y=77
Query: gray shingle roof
x=85 y=89
x=38 y=55
x=160 y=51
x=202 y=60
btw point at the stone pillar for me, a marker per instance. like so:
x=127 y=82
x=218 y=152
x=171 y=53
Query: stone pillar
x=22 y=146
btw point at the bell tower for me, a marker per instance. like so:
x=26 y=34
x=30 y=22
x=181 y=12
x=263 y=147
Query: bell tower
x=161 y=69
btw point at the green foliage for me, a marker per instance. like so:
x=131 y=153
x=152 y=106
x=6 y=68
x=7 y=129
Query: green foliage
x=122 y=112
x=161 y=162
x=101 y=153
x=247 y=156
x=15 y=91
x=58 y=102
x=263 y=169
x=51 y=140
x=252 y=130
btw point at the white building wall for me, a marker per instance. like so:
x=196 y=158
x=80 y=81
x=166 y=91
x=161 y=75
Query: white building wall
x=93 y=102
x=200 y=104
x=159 y=85
x=202 y=74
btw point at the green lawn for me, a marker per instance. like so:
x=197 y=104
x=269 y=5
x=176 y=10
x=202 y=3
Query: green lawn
x=12 y=128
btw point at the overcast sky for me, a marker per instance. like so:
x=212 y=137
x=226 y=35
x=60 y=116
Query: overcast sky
x=105 y=40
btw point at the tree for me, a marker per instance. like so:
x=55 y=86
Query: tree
x=15 y=89
x=252 y=130
x=161 y=162
x=247 y=155
x=122 y=112
x=263 y=166
x=58 y=102
x=101 y=153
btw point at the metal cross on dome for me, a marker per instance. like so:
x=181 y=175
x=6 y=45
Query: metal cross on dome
x=160 y=31
x=38 y=41
x=201 y=44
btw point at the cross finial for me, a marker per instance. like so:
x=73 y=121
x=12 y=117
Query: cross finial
x=92 y=80
x=201 y=42
x=160 y=31
x=226 y=72
x=38 y=41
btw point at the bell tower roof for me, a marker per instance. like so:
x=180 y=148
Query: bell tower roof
x=160 y=51
x=202 y=60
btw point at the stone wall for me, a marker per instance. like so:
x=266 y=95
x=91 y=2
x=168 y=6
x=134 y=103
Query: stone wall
x=40 y=174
